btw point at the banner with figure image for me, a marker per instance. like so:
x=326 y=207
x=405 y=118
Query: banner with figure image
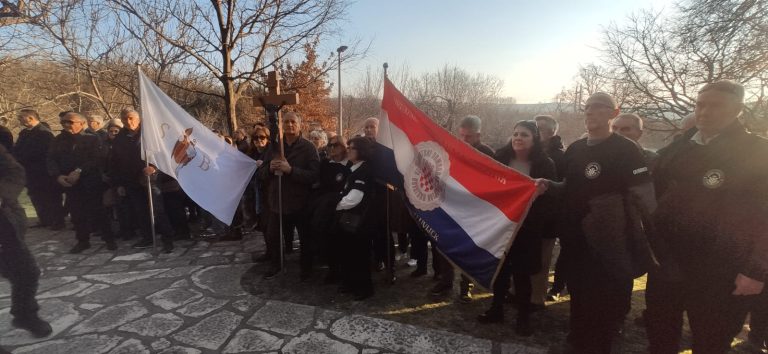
x=213 y=173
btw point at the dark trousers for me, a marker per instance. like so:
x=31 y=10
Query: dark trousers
x=46 y=198
x=292 y=221
x=561 y=271
x=598 y=302
x=89 y=213
x=126 y=217
x=447 y=273
x=420 y=250
x=523 y=289
x=714 y=315
x=19 y=267
x=758 y=320
x=139 y=202
x=174 y=205
x=355 y=266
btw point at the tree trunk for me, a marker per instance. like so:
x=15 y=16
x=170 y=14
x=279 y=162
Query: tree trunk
x=230 y=95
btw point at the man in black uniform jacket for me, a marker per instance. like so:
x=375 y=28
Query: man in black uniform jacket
x=128 y=174
x=299 y=171
x=31 y=150
x=602 y=164
x=16 y=262
x=75 y=160
x=711 y=226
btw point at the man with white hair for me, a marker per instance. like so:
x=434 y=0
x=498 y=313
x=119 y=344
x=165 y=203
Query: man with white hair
x=630 y=126
x=96 y=127
x=75 y=161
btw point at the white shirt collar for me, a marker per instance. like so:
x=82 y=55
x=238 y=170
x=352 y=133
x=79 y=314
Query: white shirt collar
x=699 y=139
x=342 y=162
x=356 y=166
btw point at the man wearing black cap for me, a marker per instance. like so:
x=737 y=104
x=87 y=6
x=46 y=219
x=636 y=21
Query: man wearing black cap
x=602 y=172
x=711 y=227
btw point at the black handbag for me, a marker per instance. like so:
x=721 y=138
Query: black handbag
x=350 y=222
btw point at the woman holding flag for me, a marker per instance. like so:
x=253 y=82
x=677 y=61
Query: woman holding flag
x=525 y=154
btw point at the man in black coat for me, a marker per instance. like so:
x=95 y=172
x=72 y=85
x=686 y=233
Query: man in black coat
x=75 y=160
x=128 y=173
x=299 y=172
x=16 y=262
x=710 y=225
x=31 y=151
x=6 y=138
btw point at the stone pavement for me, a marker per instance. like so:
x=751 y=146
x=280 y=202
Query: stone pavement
x=192 y=301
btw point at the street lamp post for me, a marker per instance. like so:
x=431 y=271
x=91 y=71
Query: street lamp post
x=340 y=50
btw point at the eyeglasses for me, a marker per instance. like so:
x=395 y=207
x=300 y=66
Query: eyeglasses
x=260 y=137
x=334 y=144
x=67 y=122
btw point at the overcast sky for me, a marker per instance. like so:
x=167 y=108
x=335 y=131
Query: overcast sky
x=536 y=47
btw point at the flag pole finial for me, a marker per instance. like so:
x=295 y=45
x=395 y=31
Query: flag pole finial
x=386 y=66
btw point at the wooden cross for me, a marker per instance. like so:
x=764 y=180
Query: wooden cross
x=272 y=104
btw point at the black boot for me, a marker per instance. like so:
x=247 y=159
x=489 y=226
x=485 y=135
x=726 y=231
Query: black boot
x=80 y=247
x=494 y=315
x=34 y=325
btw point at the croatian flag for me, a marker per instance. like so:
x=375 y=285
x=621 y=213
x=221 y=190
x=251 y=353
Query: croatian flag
x=469 y=204
x=213 y=173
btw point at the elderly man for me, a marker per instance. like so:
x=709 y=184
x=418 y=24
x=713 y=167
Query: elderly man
x=128 y=174
x=630 y=126
x=95 y=127
x=299 y=171
x=16 y=262
x=31 y=150
x=75 y=160
x=601 y=169
x=710 y=225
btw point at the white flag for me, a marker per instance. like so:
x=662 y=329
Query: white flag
x=213 y=173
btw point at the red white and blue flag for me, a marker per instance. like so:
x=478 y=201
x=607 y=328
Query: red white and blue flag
x=469 y=204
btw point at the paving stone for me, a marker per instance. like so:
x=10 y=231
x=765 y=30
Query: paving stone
x=110 y=318
x=180 y=350
x=113 y=268
x=140 y=256
x=157 y=325
x=516 y=348
x=184 y=283
x=283 y=317
x=97 y=259
x=60 y=314
x=122 y=278
x=248 y=304
x=5 y=289
x=248 y=341
x=91 y=344
x=160 y=344
x=326 y=317
x=315 y=342
x=211 y=261
x=147 y=264
x=131 y=346
x=131 y=291
x=374 y=332
x=370 y=351
x=221 y=280
x=50 y=283
x=93 y=288
x=241 y=257
x=211 y=332
x=170 y=299
x=202 y=307
x=91 y=307
x=179 y=272
x=65 y=290
x=210 y=253
x=69 y=271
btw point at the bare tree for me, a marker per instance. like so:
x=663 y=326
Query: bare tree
x=234 y=42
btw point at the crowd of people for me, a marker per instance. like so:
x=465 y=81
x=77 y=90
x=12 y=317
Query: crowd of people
x=691 y=215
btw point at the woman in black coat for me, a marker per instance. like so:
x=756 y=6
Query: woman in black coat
x=525 y=154
x=355 y=223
